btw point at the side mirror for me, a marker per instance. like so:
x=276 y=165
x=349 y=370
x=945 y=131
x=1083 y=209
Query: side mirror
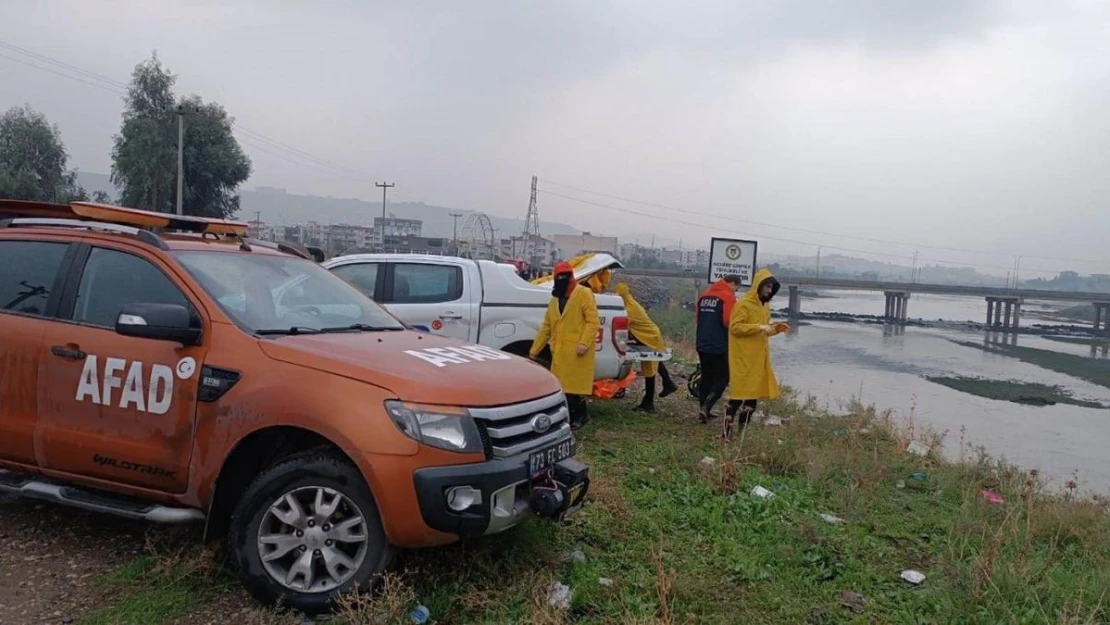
x=161 y=322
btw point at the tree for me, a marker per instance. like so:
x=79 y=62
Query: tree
x=33 y=159
x=144 y=155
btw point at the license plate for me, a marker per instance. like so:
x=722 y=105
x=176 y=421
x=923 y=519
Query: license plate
x=544 y=459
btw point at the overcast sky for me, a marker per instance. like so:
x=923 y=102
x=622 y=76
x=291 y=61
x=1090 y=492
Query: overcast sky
x=981 y=125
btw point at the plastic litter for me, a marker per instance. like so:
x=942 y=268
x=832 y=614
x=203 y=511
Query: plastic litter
x=420 y=615
x=759 y=491
x=832 y=519
x=605 y=581
x=918 y=448
x=900 y=484
x=772 y=421
x=920 y=477
x=912 y=576
x=991 y=497
x=560 y=596
x=651 y=471
x=707 y=461
x=577 y=556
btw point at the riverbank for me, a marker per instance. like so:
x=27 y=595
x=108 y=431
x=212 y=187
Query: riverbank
x=673 y=534
x=1028 y=393
x=1089 y=369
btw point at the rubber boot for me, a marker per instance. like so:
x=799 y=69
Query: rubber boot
x=707 y=407
x=668 y=384
x=579 y=414
x=648 y=403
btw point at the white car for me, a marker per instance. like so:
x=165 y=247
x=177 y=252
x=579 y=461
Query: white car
x=480 y=301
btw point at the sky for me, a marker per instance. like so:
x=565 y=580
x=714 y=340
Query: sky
x=967 y=131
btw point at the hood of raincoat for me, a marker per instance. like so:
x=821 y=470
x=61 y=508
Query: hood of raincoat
x=761 y=276
x=721 y=289
x=564 y=268
x=599 y=282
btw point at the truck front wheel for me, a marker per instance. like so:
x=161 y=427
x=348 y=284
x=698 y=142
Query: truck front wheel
x=306 y=530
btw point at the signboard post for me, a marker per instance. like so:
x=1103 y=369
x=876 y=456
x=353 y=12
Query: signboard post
x=732 y=256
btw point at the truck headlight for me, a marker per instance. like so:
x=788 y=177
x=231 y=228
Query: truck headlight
x=445 y=427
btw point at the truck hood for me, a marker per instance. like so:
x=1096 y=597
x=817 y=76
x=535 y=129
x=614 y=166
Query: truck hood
x=419 y=367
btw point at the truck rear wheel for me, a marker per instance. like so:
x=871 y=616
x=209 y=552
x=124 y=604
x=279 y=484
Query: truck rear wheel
x=306 y=530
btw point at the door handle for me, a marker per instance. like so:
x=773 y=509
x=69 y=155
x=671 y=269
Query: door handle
x=450 y=315
x=66 y=352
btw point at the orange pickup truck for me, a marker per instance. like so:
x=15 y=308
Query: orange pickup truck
x=153 y=366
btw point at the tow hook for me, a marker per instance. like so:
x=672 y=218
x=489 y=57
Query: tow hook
x=561 y=491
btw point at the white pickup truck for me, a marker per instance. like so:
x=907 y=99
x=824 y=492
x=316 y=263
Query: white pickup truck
x=479 y=301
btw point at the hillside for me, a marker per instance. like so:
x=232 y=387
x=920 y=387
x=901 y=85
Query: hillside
x=281 y=207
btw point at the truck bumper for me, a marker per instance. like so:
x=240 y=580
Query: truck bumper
x=505 y=494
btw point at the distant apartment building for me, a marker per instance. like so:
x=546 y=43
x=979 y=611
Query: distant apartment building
x=395 y=227
x=416 y=245
x=258 y=229
x=543 y=250
x=571 y=245
x=695 y=259
x=343 y=237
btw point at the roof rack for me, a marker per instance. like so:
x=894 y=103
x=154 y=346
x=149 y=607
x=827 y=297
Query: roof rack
x=145 y=236
x=106 y=213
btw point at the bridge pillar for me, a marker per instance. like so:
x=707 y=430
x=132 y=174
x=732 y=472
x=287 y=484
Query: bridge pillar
x=1102 y=317
x=896 y=306
x=1003 y=312
x=795 y=302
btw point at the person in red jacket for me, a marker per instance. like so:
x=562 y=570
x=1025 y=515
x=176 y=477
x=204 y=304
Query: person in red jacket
x=713 y=312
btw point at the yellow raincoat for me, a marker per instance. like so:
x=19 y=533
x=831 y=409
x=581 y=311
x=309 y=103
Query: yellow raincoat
x=749 y=355
x=578 y=324
x=642 y=328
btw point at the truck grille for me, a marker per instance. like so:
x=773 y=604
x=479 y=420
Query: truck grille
x=517 y=428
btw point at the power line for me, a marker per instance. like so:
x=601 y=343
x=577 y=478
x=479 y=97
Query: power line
x=780 y=239
x=818 y=232
x=109 y=84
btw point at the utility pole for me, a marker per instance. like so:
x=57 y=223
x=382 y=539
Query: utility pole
x=818 y=262
x=384 y=187
x=913 y=272
x=181 y=110
x=455 y=233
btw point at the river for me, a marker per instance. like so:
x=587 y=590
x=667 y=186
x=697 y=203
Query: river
x=836 y=361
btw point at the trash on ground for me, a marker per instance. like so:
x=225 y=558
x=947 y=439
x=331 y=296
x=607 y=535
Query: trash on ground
x=865 y=431
x=605 y=581
x=991 y=497
x=912 y=576
x=851 y=600
x=832 y=519
x=759 y=491
x=918 y=448
x=772 y=421
x=420 y=615
x=900 y=484
x=651 y=471
x=577 y=556
x=707 y=461
x=921 y=477
x=560 y=597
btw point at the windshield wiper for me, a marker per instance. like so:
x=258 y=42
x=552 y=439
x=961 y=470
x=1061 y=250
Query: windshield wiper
x=287 y=331
x=361 y=327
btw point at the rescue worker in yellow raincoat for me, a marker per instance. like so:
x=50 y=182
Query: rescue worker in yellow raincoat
x=644 y=330
x=751 y=377
x=570 y=327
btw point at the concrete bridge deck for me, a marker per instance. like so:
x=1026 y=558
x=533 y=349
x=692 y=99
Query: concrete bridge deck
x=1003 y=304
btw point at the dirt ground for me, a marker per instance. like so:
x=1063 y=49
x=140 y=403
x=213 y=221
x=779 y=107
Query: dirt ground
x=53 y=558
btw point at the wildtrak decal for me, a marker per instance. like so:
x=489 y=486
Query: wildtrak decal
x=105 y=461
x=443 y=356
x=148 y=389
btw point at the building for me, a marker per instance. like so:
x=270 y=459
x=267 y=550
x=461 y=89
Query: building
x=342 y=237
x=571 y=245
x=258 y=229
x=695 y=259
x=531 y=248
x=416 y=245
x=395 y=227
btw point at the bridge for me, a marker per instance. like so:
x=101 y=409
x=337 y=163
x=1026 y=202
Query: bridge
x=1003 y=304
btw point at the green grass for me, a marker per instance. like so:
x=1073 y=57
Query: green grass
x=687 y=543
x=1030 y=393
x=1090 y=369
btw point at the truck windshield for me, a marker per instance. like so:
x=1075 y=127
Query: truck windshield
x=269 y=294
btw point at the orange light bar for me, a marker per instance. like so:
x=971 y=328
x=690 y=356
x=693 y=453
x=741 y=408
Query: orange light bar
x=119 y=215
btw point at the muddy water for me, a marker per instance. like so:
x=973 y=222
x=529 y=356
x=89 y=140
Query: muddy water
x=887 y=366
